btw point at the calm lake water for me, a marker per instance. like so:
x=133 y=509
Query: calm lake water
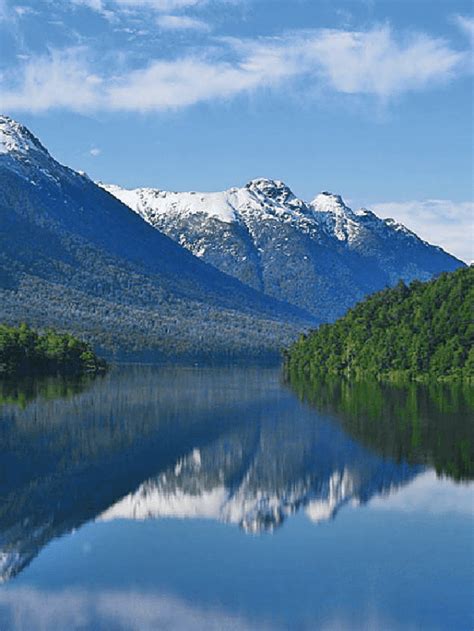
x=221 y=498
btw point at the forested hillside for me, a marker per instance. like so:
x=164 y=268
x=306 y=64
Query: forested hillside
x=73 y=258
x=418 y=332
x=24 y=351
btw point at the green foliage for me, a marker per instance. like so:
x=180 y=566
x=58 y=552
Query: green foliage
x=420 y=332
x=417 y=423
x=20 y=390
x=24 y=351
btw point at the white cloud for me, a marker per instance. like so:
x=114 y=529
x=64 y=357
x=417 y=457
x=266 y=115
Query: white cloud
x=4 y=12
x=96 y=5
x=95 y=151
x=466 y=24
x=158 y=5
x=374 y=63
x=181 y=22
x=21 y=10
x=59 y=80
x=365 y=62
x=439 y=221
x=161 y=5
x=187 y=81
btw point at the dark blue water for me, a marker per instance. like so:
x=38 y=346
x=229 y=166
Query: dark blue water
x=221 y=498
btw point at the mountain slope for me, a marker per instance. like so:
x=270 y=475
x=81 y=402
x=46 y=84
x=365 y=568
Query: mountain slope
x=424 y=330
x=320 y=256
x=72 y=256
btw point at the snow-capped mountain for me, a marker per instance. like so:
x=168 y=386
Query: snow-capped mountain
x=74 y=257
x=320 y=256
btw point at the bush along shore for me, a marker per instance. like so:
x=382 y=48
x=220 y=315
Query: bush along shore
x=421 y=332
x=24 y=351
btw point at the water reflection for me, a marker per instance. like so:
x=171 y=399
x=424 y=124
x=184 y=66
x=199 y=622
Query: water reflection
x=27 y=609
x=225 y=444
x=24 y=390
x=426 y=424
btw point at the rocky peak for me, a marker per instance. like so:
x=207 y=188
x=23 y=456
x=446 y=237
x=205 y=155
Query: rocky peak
x=17 y=140
x=275 y=190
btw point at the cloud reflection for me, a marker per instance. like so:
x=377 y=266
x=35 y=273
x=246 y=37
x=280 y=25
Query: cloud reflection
x=24 y=609
x=429 y=494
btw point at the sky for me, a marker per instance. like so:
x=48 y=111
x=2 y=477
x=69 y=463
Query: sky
x=371 y=99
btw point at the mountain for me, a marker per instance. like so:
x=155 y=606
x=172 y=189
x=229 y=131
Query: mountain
x=320 y=256
x=74 y=257
x=423 y=331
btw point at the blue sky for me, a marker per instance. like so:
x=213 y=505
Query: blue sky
x=372 y=99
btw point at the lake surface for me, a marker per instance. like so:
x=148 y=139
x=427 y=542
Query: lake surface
x=221 y=498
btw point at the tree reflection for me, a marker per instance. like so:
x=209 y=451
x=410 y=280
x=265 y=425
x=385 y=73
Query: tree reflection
x=419 y=423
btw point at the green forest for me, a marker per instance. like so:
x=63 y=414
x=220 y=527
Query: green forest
x=421 y=332
x=24 y=351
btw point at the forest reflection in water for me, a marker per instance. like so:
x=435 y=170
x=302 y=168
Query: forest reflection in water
x=430 y=424
x=231 y=444
x=20 y=391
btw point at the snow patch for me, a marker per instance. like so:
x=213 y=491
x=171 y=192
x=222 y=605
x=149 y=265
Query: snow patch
x=260 y=200
x=16 y=139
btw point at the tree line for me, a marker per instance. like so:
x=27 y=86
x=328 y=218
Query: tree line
x=24 y=351
x=422 y=331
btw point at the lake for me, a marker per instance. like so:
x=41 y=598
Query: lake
x=224 y=498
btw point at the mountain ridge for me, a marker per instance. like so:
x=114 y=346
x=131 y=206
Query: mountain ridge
x=76 y=258
x=231 y=273
x=320 y=256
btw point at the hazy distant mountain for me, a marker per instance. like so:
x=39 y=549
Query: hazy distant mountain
x=72 y=256
x=320 y=256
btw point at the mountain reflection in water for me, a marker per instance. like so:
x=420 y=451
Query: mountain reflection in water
x=229 y=444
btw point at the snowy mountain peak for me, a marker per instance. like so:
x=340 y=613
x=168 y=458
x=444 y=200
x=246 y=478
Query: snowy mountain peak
x=303 y=253
x=272 y=189
x=23 y=154
x=17 y=140
x=364 y=212
x=258 y=200
x=330 y=202
x=335 y=217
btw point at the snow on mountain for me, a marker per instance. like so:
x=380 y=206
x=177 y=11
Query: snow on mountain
x=317 y=259
x=334 y=217
x=74 y=257
x=266 y=198
x=321 y=256
x=261 y=199
x=16 y=139
x=23 y=154
x=154 y=202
